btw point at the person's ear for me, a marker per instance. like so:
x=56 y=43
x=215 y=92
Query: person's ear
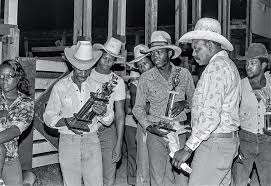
x=170 y=54
x=264 y=65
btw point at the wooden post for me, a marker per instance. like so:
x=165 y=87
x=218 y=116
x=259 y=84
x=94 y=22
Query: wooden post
x=226 y=18
x=180 y=18
x=87 y=19
x=196 y=11
x=151 y=8
x=219 y=11
x=10 y=48
x=77 y=20
x=121 y=23
x=112 y=18
x=1 y=52
x=248 y=23
x=11 y=12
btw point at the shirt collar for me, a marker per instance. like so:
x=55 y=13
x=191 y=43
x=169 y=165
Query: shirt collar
x=220 y=53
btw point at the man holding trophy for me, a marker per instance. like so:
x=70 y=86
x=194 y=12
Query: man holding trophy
x=77 y=109
x=165 y=87
x=255 y=115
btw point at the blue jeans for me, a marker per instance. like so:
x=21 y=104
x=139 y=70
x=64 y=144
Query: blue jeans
x=12 y=173
x=212 y=162
x=80 y=156
x=255 y=148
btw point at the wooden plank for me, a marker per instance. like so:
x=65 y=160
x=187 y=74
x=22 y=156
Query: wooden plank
x=11 y=12
x=49 y=49
x=248 y=23
x=219 y=11
x=44 y=160
x=43 y=83
x=87 y=19
x=51 y=66
x=1 y=52
x=180 y=18
x=151 y=8
x=11 y=46
x=121 y=18
x=43 y=147
x=112 y=18
x=77 y=20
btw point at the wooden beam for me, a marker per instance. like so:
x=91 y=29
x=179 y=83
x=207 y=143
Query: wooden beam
x=226 y=18
x=180 y=18
x=1 y=52
x=87 y=19
x=219 y=10
x=11 y=44
x=121 y=22
x=248 y=23
x=196 y=11
x=77 y=20
x=11 y=12
x=151 y=8
x=112 y=18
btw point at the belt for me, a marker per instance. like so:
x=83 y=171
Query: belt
x=224 y=135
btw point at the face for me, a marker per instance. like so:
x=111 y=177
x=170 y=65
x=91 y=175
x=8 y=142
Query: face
x=105 y=63
x=144 y=65
x=201 y=52
x=160 y=57
x=254 y=68
x=79 y=76
x=8 y=79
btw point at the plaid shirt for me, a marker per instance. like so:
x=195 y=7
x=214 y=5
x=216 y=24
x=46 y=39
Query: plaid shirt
x=20 y=113
x=153 y=88
x=215 y=105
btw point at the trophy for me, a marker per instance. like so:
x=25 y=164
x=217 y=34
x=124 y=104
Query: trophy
x=267 y=116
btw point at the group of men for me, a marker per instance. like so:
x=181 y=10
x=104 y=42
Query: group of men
x=156 y=131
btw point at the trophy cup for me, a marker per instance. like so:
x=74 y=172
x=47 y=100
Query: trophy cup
x=267 y=116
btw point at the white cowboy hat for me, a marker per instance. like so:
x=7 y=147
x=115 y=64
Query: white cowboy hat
x=138 y=55
x=112 y=47
x=207 y=29
x=161 y=39
x=133 y=74
x=82 y=56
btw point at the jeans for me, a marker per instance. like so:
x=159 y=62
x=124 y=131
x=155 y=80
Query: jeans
x=12 y=173
x=212 y=162
x=161 y=170
x=80 y=156
x=108 y=140
x=142 y=161
x=255 y=148
x=130 y=139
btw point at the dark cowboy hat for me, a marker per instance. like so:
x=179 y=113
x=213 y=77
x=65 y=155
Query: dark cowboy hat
x=254 y=51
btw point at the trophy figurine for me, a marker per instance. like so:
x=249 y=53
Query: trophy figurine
x=267 y=116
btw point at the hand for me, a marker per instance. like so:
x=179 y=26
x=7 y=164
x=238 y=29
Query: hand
x=99 y=107
x=78 y=125
x=180 y=157
x=178 y=107
x=116 y=155
x=154 y=129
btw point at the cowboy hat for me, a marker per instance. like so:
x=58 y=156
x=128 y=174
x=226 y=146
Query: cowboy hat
x=133 y=74
x=254 y=51
x=82 y=56
x=138 y=55
x=112 y=47
x=207 y=29
x=161 y=39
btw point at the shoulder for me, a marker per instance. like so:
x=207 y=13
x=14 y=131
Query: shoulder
x=62 y=82
x=149 y=75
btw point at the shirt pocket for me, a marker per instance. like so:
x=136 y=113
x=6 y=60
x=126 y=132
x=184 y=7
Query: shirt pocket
x=157 y=94
x=67 y=101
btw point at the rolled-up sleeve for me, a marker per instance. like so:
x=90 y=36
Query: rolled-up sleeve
x=52 y=112
x=140 y=104
x=206 y=113
x=23 y=118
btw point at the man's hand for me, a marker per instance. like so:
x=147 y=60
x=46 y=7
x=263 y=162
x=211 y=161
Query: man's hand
x=77 y=126
x=155 y=129
x=181 y=156
x=116 y=155
x=99 y=107
x=178 y=107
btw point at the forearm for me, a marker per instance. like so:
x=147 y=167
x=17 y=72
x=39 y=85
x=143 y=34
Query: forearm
x=120 y=129
x=141 y=116
x=9 y=134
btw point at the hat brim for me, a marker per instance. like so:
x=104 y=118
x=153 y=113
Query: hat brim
x=246 y=57
x=132 y=63
x=98 y=46
x=81 y=64
x=177 y=50
x=206 y=35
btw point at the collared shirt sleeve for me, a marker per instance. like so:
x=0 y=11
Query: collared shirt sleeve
x=209 y=99
x=52 y=112
x=140 y=104
x=23 y=117
x=190 y=88
x=120 y=93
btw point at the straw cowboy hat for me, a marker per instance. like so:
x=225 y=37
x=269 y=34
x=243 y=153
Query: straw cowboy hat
x=138 y=55
x=112 y=47
x=82 y=56
x=161 y=39
x=207 y=29
x=255 y=51
x=133 y=74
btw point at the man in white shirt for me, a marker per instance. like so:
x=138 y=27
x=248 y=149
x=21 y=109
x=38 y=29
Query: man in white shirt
x=79 y=152
x=215 y=108
x=255 y=145
x=110 y=139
